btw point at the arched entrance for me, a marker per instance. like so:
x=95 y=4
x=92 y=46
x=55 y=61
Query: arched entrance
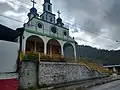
x=68 y=52
x=53 y=47
x=35 y=43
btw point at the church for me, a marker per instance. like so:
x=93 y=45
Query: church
x=46 y=34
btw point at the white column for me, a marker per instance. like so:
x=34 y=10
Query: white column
x=62 y=51
x=35 y=46
x=75 y=51
x=45 y=48
x=114 y=69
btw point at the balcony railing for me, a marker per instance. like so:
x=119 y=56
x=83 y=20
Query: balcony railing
x=31 y=55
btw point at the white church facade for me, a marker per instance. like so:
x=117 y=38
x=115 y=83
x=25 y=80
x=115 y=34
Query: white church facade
x=46 y=34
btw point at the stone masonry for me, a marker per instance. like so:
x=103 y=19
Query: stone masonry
x=51 y=73
x=28 y=75
x=56 y=73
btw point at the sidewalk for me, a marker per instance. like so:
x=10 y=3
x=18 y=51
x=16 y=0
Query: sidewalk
x=86 y=84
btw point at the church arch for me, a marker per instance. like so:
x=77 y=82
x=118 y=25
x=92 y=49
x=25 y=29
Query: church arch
x=68 y=50
x=53 y=47
x=35 y=43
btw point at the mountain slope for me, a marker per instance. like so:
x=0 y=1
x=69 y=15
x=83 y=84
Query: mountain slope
x=98 y=55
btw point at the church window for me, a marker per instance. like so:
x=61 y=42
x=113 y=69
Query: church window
x=49 y=7
x=65 y=33
x=53 y=29
x=39 y=25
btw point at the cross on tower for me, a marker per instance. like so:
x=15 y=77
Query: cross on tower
x=33 y=2
x=58 y=14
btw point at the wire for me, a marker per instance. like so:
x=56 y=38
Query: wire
x=89 y=30
x=11 y=18
x=78 y=25
x=77 y=38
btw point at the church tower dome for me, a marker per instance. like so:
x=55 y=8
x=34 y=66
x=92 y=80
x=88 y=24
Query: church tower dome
x=59 y=20
x=33 y=11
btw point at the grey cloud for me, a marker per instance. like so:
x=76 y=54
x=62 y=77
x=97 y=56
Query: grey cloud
x=113 y=15
x=92 y=15
x=83 y=11
x=95 y=15
x=5 y=7
x=21 y=11
x=113 y=19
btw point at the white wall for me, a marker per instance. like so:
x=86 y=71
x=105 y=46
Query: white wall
x=8 y=56
x=46 y=29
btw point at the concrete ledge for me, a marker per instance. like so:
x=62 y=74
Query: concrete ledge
x=59 y=63
x=85 y=84
x=72 y=83
x=8 y=76
x=54 y=74
x=100 y=82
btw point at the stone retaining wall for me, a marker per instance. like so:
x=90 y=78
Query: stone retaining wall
x=50 y=73
x=28 y=75
x=55 y=73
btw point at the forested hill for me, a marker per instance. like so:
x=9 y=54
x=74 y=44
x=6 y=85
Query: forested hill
x=99 y=55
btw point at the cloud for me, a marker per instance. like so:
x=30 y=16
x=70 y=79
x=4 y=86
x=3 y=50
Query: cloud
x=94 y=21
x=2 y=1
x=98 y=19
x=13 y=9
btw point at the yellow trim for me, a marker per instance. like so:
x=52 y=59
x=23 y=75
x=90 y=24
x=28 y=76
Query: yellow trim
x=21 y=56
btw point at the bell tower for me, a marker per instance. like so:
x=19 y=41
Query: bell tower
x=47 y=12
x=47 y=6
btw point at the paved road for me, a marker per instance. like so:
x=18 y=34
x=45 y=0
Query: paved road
x=109 y=86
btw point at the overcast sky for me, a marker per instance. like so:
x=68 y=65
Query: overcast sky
x=94 y=22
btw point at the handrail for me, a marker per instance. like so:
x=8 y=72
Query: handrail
x=57 y=57
x=41 y=56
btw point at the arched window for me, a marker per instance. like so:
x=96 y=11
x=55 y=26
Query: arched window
x=68 y=51
x=53 y=47
x=35 y=43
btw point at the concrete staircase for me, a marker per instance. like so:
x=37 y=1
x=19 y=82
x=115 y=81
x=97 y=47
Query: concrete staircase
x=94 y=66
